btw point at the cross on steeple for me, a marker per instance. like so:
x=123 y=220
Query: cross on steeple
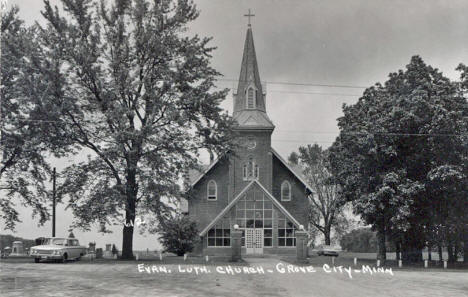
x=249 y=15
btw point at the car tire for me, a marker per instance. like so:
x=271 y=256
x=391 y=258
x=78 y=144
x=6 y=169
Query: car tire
x=64 y=258
x=37 y=260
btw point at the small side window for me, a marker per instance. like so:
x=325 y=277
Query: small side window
x=285 y=191
x=212 y=190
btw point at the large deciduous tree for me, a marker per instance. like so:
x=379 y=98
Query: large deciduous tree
x=131 y=88
x=397 y=139
x=326 y=208
x=24 y=138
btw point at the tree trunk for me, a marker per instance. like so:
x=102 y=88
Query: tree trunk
x=398 y=250
x=327 y=233
x=382 y=250
x=439 y=250
x=450 y=252
x=429 y=252
x=456 y=251
x=127 y=240
x=465 y=245
x=412 y=246
x=130 y=211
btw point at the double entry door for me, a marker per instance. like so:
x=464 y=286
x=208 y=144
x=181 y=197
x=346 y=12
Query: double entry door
x=254 y=241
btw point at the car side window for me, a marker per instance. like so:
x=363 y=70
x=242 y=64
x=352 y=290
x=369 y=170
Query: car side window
x=75 y=242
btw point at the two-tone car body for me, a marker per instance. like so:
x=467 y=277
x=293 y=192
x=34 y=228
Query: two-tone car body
x=58 y=249
x=327 y=250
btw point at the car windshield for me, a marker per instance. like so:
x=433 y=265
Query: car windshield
x=56 y=241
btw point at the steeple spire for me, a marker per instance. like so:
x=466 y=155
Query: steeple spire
x=250 y=99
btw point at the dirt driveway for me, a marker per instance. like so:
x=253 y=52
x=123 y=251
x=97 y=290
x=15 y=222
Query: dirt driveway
x=261 y=277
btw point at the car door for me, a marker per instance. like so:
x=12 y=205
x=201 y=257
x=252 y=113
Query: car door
x=71 y=249
x=77 y=248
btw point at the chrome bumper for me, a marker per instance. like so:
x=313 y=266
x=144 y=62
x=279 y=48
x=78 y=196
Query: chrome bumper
x=46 y=256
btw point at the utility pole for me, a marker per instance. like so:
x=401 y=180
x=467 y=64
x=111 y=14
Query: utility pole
x=53 y=201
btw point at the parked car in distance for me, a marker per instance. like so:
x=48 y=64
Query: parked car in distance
x=58 y=249
x=327 y=250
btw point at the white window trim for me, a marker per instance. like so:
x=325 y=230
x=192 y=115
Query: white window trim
x=208 y=197
x=288 y=184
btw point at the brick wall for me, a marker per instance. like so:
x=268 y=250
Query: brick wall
x=298 y=205
x=229 y=179
x=262 y=156
x=202 y=210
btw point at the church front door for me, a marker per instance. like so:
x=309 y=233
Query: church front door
x=254 y=241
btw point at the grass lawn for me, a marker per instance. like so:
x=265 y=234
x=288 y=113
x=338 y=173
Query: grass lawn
x=347 y=259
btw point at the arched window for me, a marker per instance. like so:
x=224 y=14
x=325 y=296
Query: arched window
x=285 y=191
x=212 y=190
x=251 y=98
x=250 y=170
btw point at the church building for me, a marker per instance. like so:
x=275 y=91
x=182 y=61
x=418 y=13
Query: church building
x=252 y=188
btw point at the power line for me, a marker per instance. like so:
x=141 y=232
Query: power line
x=312 y=93
x=300 y=84
x=301 y=141
x=374 y=133
x=315 y=93
x=323 y=132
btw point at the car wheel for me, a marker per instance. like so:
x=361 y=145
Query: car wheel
x=64 y=258
x=36 y=260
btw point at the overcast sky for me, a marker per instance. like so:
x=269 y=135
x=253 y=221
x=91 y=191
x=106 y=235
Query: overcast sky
x=328 y=42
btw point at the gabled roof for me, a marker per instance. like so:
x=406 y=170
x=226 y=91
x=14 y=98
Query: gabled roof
x=253 y=119
x=297 y=174
x=195 y=176
x=239 y=196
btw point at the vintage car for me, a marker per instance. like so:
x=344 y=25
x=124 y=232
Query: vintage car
x=327 y=250
x=58 y=249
